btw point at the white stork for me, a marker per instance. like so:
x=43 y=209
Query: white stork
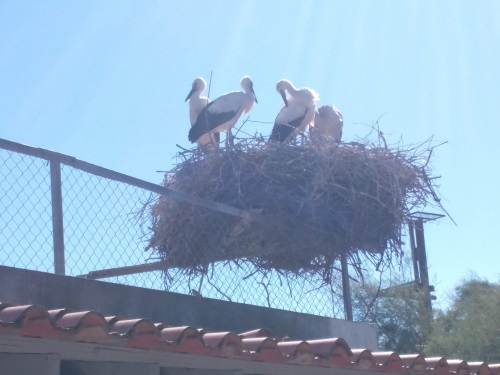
x=297 y=113
x=328 y=124
x=196 y=104
x=223 y=113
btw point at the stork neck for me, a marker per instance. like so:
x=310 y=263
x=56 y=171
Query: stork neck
x=291 y=89
x=199 y=92
x=246 y=90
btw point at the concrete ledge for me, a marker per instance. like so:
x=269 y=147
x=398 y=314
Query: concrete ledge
x=55 y=291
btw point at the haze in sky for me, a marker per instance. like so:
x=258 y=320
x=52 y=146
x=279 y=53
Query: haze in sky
x=105 y=81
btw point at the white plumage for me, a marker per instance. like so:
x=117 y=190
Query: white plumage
x=196 y=104
x=328 y=124
x=297 y=113
x=196 y=101
x=223 y=113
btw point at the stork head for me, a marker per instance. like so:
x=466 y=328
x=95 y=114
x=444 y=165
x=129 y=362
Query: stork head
x=331 y=112
x=199 y=85
x=247 y=85
x=325 y=110
x=282 y=87
x=328 y=121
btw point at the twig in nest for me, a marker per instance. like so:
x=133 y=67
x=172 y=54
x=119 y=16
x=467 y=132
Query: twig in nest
x=218 y=290
x=267 y=292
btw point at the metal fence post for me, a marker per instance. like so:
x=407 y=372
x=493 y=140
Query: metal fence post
x=346 y=287
x=57 y=217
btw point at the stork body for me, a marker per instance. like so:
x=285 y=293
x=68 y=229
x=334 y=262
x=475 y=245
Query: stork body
x=223 y=113
x=297 y=113
x=328 y=124
x=196 y=105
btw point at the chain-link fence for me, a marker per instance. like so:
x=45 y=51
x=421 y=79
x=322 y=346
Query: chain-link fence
x=62 y=215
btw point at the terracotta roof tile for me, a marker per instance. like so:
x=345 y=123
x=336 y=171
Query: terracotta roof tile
x=113 y=319
x=16 y=314
x=3 y=305
x=479 y=368
x=86 y=326
x=260 y=332
x=81 y=319
x=138 y=333
x=388 y=361
x=128 y=326
x=438 y=365
x=459 y=367
x=415 y=363
x=363 y=359
x=160 y=326
x=202 y=331
x=186 y=339
x=262 y=348
x=495 y=369
x=258 y=345
x=30 y=320
x=334 y=350
x=56 y=314
x=227 y=344
x=297 y=351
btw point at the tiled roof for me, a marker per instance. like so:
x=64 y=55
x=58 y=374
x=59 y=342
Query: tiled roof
x=65 y=325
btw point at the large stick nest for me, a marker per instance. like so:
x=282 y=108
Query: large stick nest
x=314 y=202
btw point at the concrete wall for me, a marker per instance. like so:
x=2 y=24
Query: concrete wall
x=55 y=291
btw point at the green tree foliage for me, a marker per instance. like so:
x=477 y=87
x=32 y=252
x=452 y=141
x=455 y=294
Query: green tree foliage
x=396 y=306
x=470 y=328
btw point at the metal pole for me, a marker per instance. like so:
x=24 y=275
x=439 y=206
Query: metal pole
x=346 y=287
x=422 y=257
x=57 y=217
x=414 y=255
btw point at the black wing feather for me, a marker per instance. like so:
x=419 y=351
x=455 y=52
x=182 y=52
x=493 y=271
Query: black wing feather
x=207 y=121
x=281 y=131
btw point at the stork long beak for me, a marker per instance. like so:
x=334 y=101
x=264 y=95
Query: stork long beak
x=189 y=95
x=283 y=95
x=253 y=92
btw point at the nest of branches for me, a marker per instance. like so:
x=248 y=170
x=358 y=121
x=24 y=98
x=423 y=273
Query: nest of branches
x=310 y=203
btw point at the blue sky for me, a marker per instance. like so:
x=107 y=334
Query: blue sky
x=105 y=81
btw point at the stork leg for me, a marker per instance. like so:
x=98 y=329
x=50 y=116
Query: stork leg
x=229 y=139
x=302 y=139
x=214 y=146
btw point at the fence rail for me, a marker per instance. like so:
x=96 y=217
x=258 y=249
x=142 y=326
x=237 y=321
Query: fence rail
x=64 y=215
x=56 y=159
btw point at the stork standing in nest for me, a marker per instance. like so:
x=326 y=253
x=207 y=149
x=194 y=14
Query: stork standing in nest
x=196 y=105
x=223 y=113
x=297 y=113
x=328 y=124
